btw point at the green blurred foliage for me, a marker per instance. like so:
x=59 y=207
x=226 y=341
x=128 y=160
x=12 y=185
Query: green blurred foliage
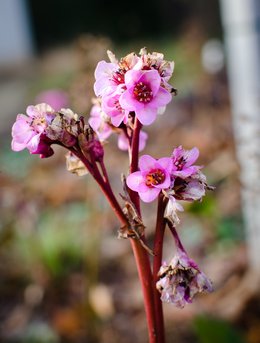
x=59 y=242
x=210 y=330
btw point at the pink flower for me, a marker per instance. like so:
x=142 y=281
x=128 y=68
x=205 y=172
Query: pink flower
x=183 y=160
x=155 y=60
x=56 y=98
x=99 y=122
x=154 y=175
x=123 y=143
x=108 y=76
x=181 y=280
x=112 y=107
x=144 y=95
x=29 y=132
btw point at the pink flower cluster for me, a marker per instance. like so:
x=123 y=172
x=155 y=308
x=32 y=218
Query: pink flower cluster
x=131 y=92
x=102 y=125
x=134 y=85
x=43 y=126
x=176 y=176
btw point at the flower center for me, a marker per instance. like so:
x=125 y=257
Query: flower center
x=119 y=76
x=180 y=163
x=143 y=92
x=154 y=177
x=39 y=121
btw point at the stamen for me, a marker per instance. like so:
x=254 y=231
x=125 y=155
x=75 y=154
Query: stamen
x=142 y=92
x=155 y=177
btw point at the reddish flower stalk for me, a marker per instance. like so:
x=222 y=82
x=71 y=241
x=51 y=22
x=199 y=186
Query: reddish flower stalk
x=157 y=262
x=141 y=255
x=134 y=160
x=176 y=236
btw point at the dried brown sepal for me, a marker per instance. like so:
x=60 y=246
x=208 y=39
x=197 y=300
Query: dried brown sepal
x=135 y=228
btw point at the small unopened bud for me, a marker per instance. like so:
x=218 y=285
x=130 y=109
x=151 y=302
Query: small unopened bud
x=91 y=146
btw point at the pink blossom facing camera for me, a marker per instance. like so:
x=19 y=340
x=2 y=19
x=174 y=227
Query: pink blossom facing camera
x=144 y=95
x=154 y=175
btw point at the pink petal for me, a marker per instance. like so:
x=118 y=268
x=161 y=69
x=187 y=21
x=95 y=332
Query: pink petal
x=191 y=156
x=128 y=102
x=122 y=142
x=17 y=146
x=117 y=120
x=146 y=163
x=34 y=143
x=134 y=180
x=146 y=115
x=153 y=79
x=21 y=131
x=178 y=152
x=132 y=77
x=32 y=111
x=104 y=133
x=186 y=172
x=104 y=70
x=162 y=98
x=104 y=87
x=150 y=194
x=95 y=122
x=142 y=140
x=166 y=163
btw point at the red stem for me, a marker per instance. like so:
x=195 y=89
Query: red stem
x=141 y=256
x=157 y=262
x=176 y=237
x=134 y=161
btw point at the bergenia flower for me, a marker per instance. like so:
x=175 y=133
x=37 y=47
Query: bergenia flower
x=30 y=131
x=154 y=175
x=182 y=162
x=144 y=94
x=123 y=143
x=99 y=122
x=181 y=280
x=155 y=60
x=106 y=78
x=109 y=75
x=112 y=107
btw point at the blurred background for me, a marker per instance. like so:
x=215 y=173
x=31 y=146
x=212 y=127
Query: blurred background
x=64 y=276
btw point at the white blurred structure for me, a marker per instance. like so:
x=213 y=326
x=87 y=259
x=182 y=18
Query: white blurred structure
x=241 y=26
x=15 y=37
x=212 y=56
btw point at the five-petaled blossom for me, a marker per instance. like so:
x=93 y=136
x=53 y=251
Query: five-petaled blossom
x=144 y=94
x=30 y=131
x=181 y=279
x=154 y=175
x=182 y=162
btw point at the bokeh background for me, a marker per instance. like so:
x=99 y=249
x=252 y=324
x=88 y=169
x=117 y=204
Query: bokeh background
x=64 y=275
